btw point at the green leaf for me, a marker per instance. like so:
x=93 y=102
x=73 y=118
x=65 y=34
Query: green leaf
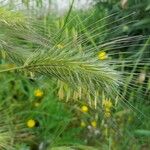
x=142 y=132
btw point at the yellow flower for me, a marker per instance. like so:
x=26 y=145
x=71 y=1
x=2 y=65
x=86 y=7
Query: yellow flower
x=38 y=93
x=60 y=46
x=83 y=124
x=84 y=109
x=31 y=123
x=102 y=55
x=94 y=124
x=107 y=114
x=107 y=104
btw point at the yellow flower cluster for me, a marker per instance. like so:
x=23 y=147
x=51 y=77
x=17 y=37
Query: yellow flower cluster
x=107 y=104
x=93 y=123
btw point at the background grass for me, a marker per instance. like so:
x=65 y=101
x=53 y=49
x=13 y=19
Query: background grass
x=58 y=112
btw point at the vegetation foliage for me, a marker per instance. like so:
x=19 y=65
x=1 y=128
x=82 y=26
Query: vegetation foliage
x=76 y=81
